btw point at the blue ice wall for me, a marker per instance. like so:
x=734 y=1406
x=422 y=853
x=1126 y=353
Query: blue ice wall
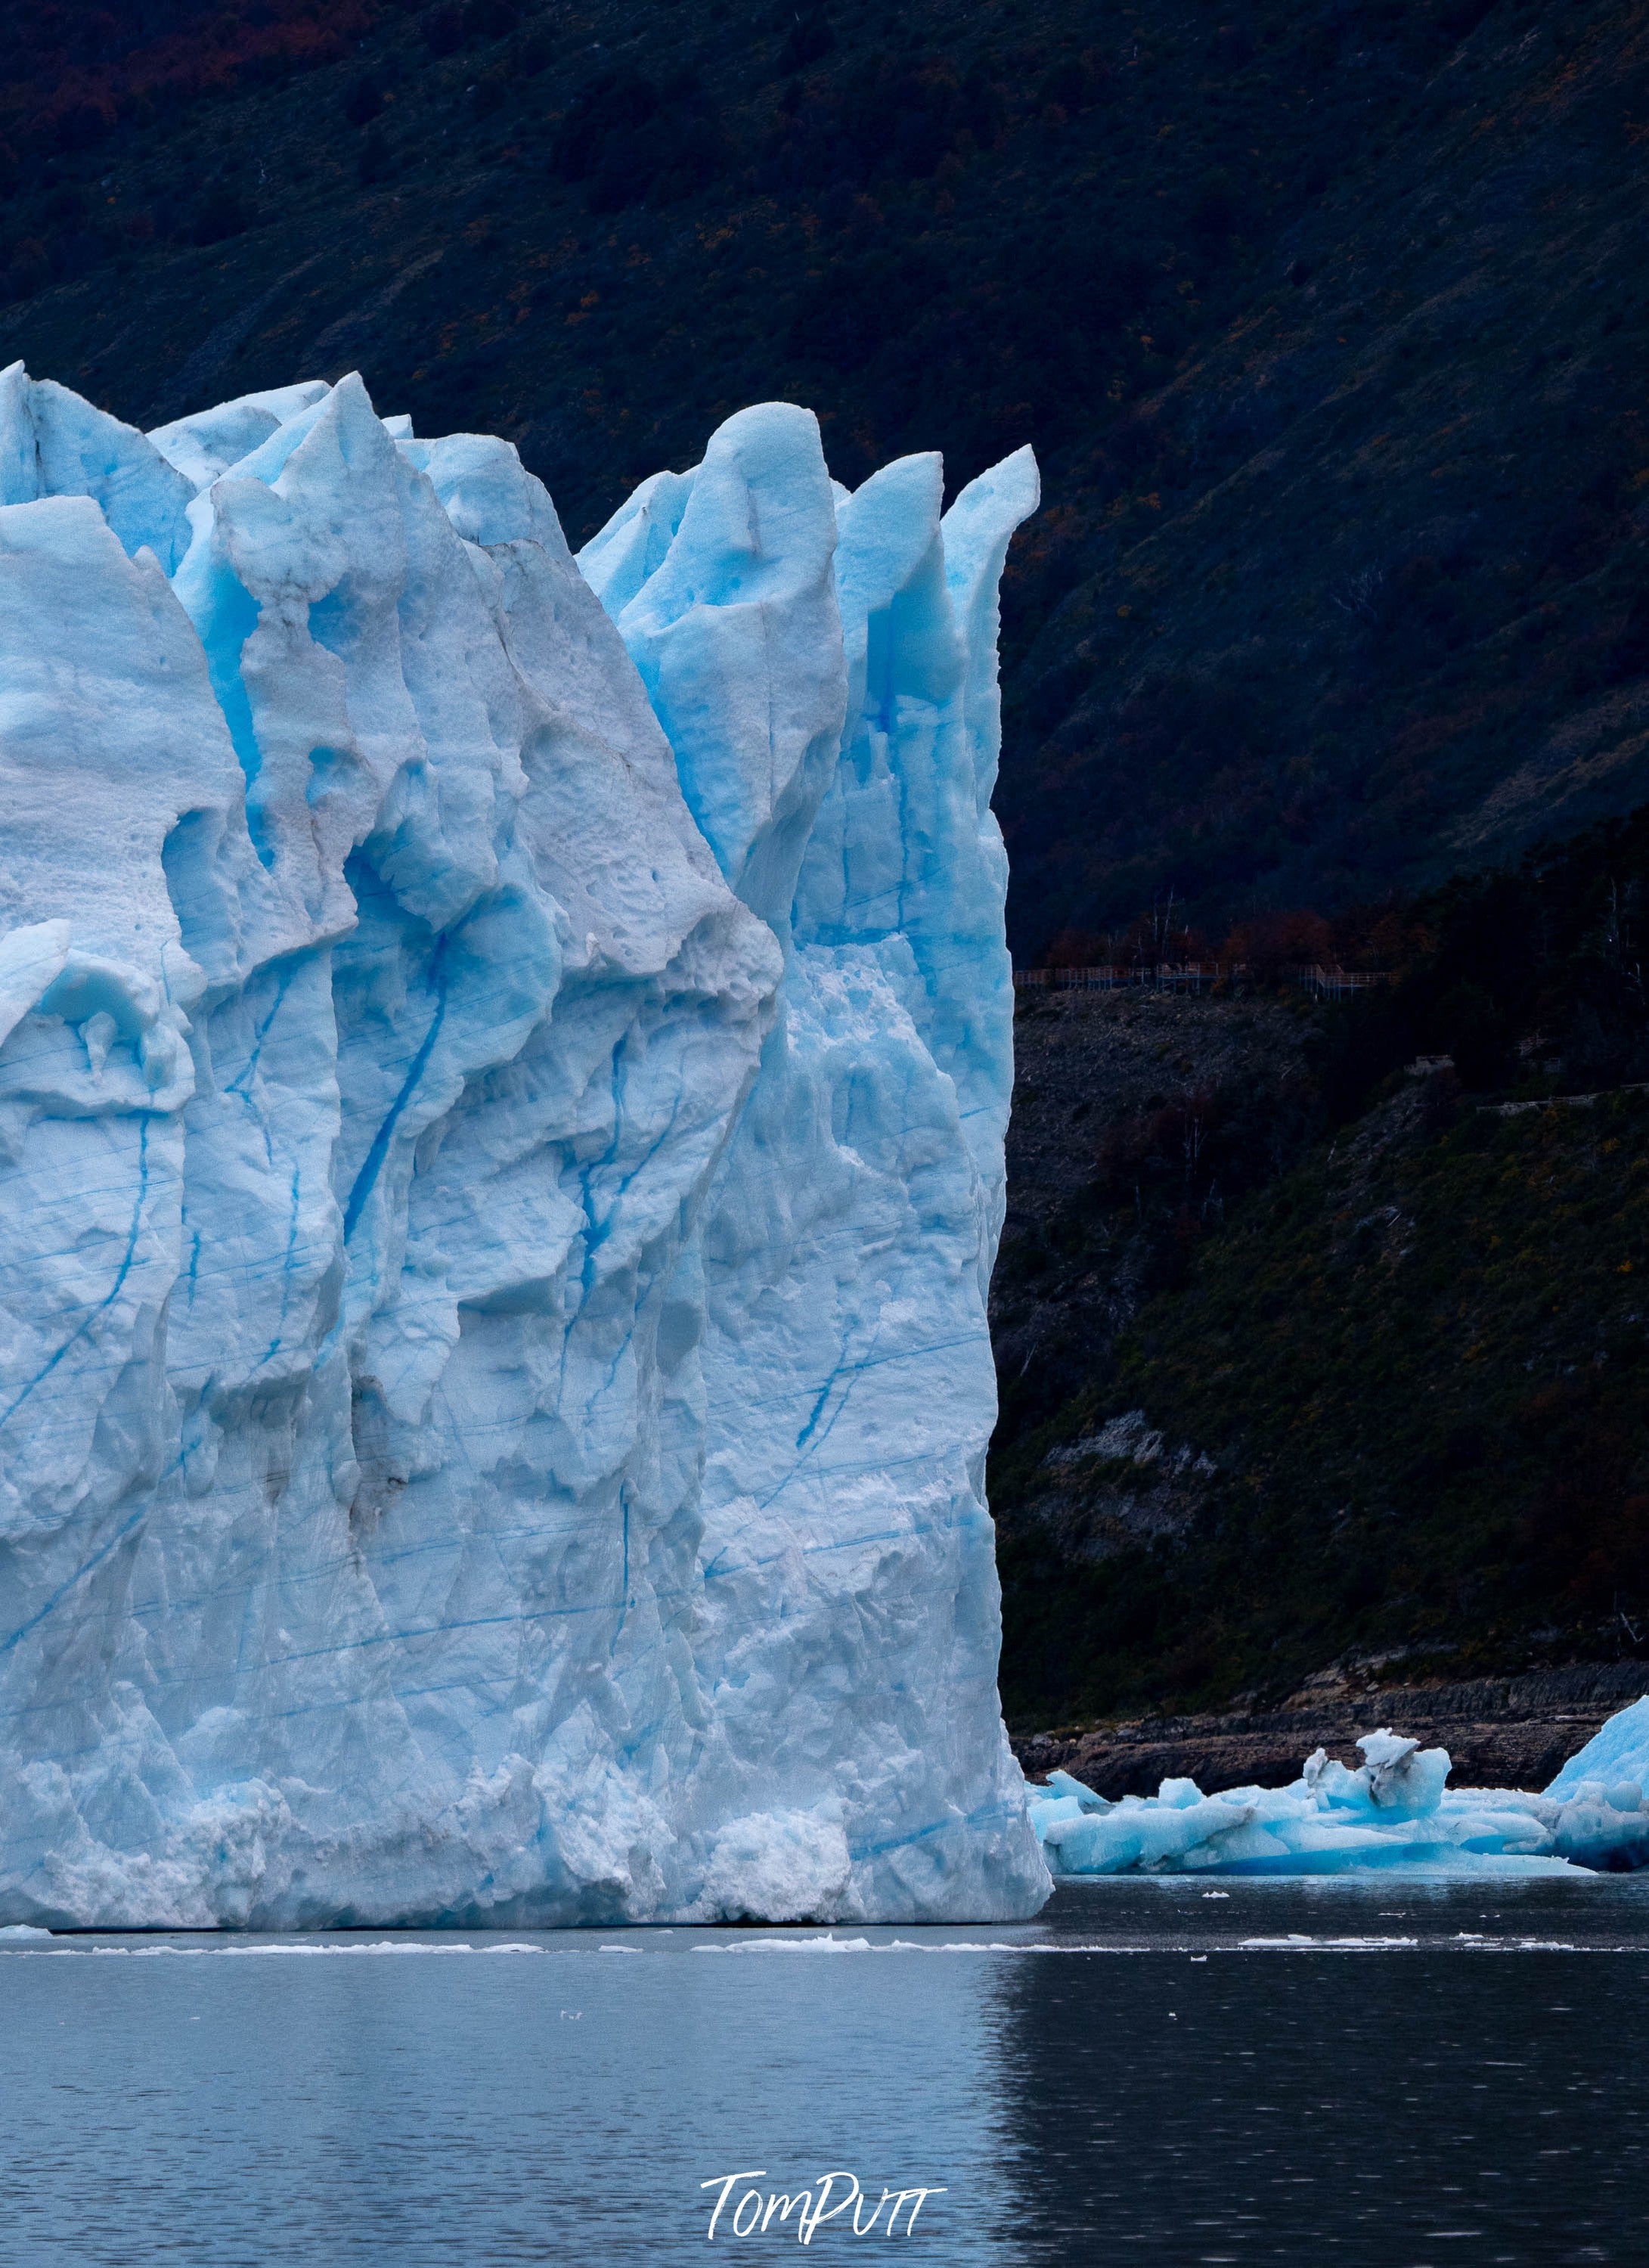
x=502 y=1080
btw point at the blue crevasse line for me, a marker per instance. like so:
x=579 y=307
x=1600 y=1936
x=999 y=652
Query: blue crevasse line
x=713 y=1574
x=326 y=1570
x=372 y=1165
x=818 y=1409
x=987 y=1816
x=273 y=1348
x=601 y=1230
x=109 y=1297
x=241 y=1083
x=440 y=1629
x=623 y=1497
x=803 y=1439
x=626 y=1180
x=70 y=1581
x=868 y=1362
x=225 y=614
x=240 y=1086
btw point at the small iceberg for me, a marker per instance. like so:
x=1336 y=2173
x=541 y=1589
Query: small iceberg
x=1395 y=1810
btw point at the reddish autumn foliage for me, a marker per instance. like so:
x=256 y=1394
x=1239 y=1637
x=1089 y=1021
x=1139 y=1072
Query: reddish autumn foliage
x=69 y=72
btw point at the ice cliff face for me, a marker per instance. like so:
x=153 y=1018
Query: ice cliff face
x=502 y=1070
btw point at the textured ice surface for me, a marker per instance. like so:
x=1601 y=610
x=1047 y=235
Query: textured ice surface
x=502 y=1082
x=1395 y=1810
x=1619 y=1754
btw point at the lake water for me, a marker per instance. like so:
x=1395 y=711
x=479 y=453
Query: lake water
x=1384 y=2075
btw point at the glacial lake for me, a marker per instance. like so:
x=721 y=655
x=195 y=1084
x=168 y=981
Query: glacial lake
x=1390 y=2074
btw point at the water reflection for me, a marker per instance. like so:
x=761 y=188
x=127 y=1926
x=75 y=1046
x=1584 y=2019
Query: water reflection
x=1150 y=2073
x=420 y=2106
x=1435 y=2100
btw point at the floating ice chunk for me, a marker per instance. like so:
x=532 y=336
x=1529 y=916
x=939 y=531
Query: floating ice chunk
x=1617 y=1755
x=1073 y=1791
x=1397 y=1810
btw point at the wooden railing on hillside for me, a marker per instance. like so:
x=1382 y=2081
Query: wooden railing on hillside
x=1192 y=976
x=1337 y=984
x=1162 y=976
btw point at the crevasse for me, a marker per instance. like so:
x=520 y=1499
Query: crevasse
x=503 y=1068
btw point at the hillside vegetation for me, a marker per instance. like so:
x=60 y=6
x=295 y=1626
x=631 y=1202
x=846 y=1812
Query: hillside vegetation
x=1325 y=319
x=1394 y=1400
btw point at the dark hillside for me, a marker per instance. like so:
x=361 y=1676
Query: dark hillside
x=1139 y=1119
x=1383 y=609
x=1325 y=320
x=1401 y=1407
x=1361 y=1376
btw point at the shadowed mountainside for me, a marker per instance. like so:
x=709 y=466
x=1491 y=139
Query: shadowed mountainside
x=1327 y=322
x=1320 y=1329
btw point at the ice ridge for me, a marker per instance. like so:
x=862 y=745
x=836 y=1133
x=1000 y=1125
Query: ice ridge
x=503 y=1068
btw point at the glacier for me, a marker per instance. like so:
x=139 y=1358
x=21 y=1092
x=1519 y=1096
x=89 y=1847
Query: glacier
x=503 y=1063
x=1395 y=1810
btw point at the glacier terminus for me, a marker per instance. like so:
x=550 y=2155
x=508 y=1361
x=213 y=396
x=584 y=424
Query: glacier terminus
x=503 y=1064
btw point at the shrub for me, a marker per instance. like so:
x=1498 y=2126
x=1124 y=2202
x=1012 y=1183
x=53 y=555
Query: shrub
x=223 y=212
x=444 y=29
x=363 y=102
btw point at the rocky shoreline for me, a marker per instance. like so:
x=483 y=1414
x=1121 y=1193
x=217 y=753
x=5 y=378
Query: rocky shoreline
x=1500 y=1732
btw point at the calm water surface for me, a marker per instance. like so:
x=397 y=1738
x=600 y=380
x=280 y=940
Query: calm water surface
x=1389 y=2076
